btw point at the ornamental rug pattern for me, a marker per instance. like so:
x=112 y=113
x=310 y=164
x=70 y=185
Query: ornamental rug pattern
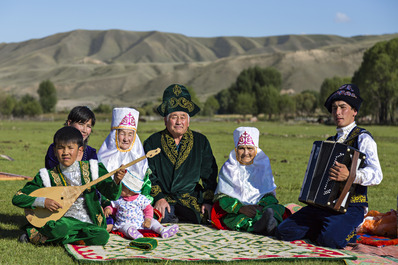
x=203 y=243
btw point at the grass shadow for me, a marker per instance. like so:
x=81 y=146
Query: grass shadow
x=7 y=219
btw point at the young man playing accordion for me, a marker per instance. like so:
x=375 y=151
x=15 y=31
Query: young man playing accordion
x=323 y=226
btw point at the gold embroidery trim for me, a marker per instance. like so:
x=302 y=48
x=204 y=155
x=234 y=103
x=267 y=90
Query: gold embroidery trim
x=155 y=190
x=190 y=201
x=177 y=90
x=99 y=219
x=175 y=102
x=58 y=178
x=353 y=136
x=351 y=235
x=85 y=169
x=170 y=148
x=358 y=199
x=186 y=146
x=170 y=200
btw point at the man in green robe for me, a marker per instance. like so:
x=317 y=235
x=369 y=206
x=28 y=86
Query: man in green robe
x=184 y=174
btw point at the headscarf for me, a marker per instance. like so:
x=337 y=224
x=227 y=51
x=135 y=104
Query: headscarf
x=247 y=183
x=110 y=153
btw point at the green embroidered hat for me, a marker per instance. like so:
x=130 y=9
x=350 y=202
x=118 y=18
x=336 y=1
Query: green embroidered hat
x=143 y=243
x=177 y=98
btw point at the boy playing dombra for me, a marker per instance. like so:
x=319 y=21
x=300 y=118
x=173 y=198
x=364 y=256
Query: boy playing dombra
x=84 y=223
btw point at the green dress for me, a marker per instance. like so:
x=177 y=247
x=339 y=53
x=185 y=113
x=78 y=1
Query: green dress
x=67 y=229
x=185 y=176
x=240 y=222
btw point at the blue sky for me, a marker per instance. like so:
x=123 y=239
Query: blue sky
x=31 y=19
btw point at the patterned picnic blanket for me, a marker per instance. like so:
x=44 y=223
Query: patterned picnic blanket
x=202 y=243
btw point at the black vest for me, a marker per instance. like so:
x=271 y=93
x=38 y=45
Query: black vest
x=360 y=195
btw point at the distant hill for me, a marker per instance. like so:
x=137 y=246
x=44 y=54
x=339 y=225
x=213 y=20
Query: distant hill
x=127 y=68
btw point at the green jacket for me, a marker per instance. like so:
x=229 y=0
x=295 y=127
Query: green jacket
x=187 y=176
x=108 y=188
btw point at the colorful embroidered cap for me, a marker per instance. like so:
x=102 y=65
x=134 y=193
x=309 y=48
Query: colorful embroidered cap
x=132 y=182
x=348 y=93
x=177 y=98
x=246 y=136
x=125 y=118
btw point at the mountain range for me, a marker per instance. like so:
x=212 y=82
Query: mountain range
x=128 y=68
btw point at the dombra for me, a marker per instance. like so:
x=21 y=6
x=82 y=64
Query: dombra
x=67 y=195
x=317 y=188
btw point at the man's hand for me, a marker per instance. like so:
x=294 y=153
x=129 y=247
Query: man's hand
x=207 y=207
x=147 y=222
x=339 y=172
x=250 y=210
x=119 y=175
x=52 y=205
x=161 y=205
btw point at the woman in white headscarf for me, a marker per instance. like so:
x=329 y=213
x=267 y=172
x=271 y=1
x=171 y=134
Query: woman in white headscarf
x=245 y=196
x=123 y=146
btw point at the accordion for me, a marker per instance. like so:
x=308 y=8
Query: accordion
x=317 y=188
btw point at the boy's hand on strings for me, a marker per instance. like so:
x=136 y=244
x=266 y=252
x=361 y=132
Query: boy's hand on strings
x=52 y=205
x=119 y=175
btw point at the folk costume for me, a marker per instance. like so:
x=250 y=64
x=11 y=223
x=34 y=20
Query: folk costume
x=184 y=175
x=131 y=210
x=112 y=156
x=240 y=185
x=85 y=219
x=51 y=160
x=325 y=227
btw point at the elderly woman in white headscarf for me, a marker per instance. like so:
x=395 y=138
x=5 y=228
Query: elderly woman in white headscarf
x=123 y=146
x=245 y=196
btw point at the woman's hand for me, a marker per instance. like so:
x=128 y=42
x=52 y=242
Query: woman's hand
x=250 y=210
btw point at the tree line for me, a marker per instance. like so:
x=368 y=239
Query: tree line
x=28 y=105
x=258 y=91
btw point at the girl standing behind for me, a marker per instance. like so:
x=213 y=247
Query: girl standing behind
x=83 y=119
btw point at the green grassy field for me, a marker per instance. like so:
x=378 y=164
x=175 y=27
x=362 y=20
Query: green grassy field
x=287 y=145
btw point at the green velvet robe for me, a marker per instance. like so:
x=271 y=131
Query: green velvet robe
x=108 y=188
x=188 y=176
x=240 y=222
